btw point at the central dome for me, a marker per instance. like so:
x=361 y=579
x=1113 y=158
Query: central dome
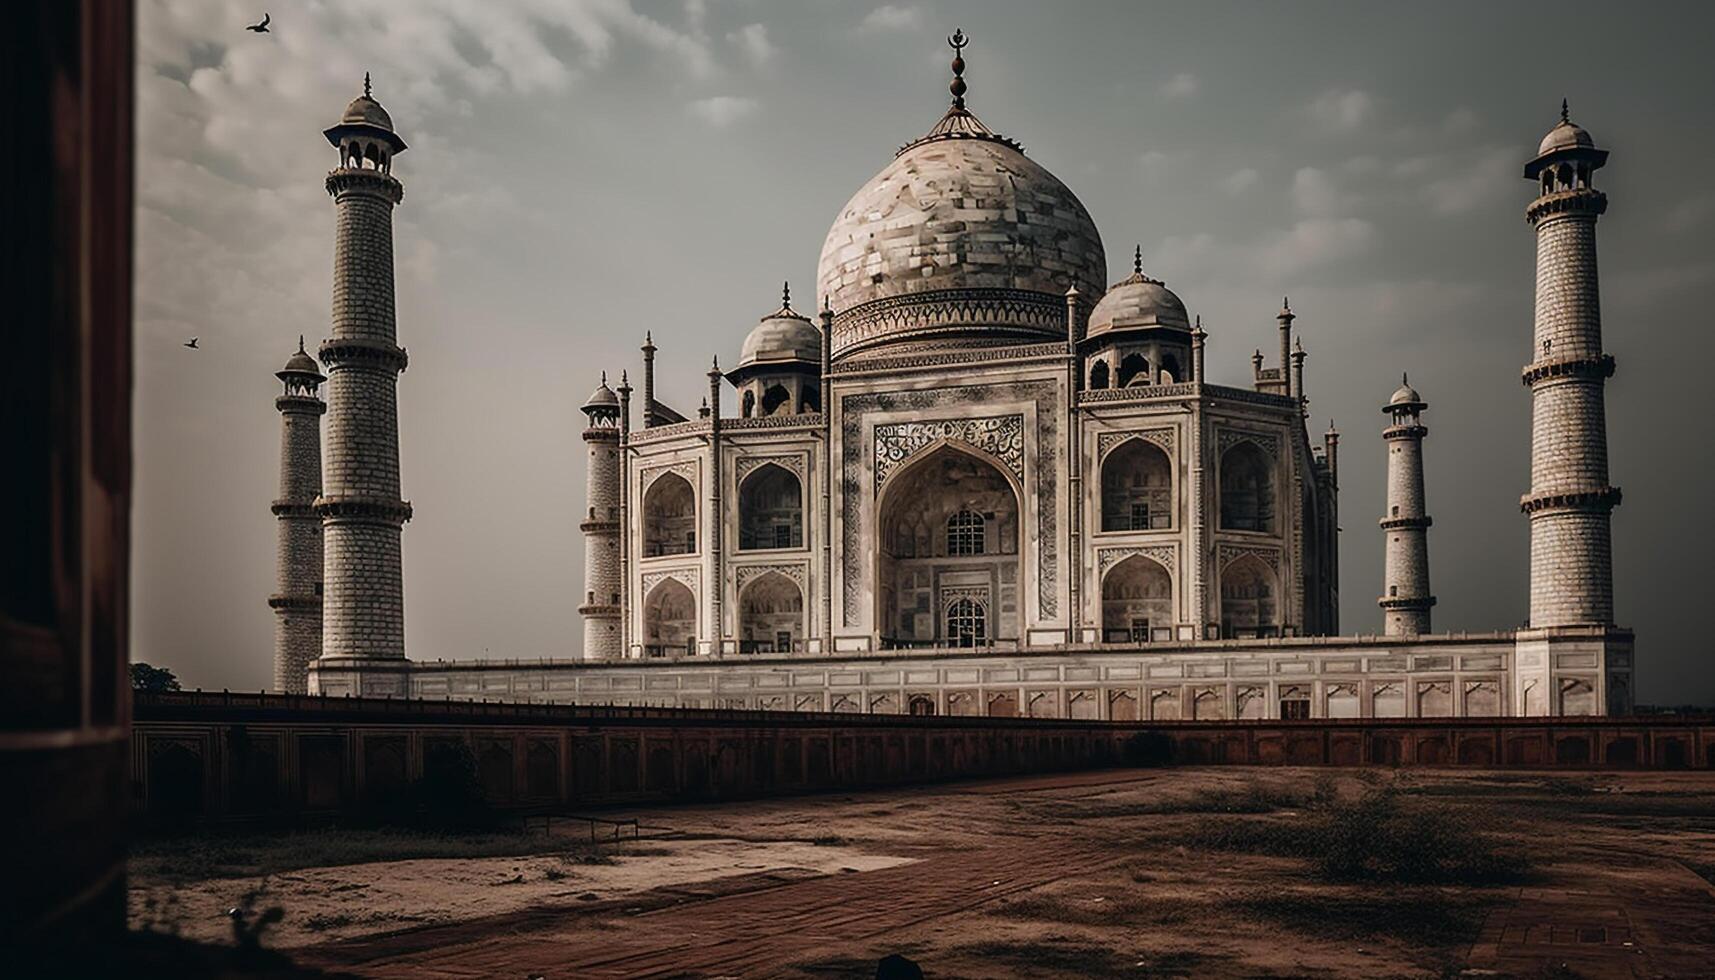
x=961 y=234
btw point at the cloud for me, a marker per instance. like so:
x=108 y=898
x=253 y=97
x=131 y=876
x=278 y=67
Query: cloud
x=722 y=110
x=891 y=17
x=1313 y=193
x=1486 y=177
x=752 y=39
x=1342 y=111
x=1180 y=86
x=1459 y=121
x=1688 y=214
x=1239 y=181
x=1312 y=243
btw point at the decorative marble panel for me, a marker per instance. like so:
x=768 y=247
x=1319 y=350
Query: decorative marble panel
x=1226 y=554
x=1106 y=442
x=1001 y=437
x=686 y=469
x=854 y=408
x=744 y=465
x=744 y=574
x=1226 y=439
x=688 y=577
x=1165 y=554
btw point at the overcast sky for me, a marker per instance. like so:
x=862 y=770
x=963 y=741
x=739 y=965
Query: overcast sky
x=583 y=170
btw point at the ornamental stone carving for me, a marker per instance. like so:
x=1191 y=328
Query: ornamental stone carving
x=745 y=465
x=1001 y=437
x=1047 y=397
x=976 y=593
x=686 y=469
x=1106 y=442
x=743 y=575
x=1163 y=554
x=1226 y=554
x=689 y=577
x=1226 y=439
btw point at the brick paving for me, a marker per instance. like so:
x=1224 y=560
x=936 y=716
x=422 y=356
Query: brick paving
x=744 y=934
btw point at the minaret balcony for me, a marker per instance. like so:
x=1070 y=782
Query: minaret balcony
x=293 y=508
x=1602 y=499
x=1406 y=601
x=364 y=510
x=347 y=179
x=1599 y=367
x=1581 y=200
x=298 y=602
x=1395 y=523
x=360 y=352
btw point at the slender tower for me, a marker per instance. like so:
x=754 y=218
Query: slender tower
x=363 y=637
x=1571 y=574
x=601 y=607
x=1405 y=600
x=297 y=598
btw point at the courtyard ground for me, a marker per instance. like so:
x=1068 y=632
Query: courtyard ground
x=1221 y=872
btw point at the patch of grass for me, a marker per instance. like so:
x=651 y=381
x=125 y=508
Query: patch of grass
x=323 y=921
x=1060 y=956
x=1096 y=910
x=1378 y=836
x=1437 y=927
x=235 y=855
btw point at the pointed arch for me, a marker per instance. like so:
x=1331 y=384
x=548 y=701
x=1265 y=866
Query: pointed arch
x=1250 y=604
x=669 y=517
x=770 y=615
x=1137 y=487
x=1247 y=488
x=770 y=509
x=670 y=620
x=921 y=568
x=1137 y=599
x=774 y=398
x=1134 y=370
x=1099 y=375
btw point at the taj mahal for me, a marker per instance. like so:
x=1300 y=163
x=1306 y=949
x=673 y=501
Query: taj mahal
x=969 y=477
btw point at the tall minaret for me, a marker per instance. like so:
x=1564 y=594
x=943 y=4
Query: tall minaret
x=1405 y=600
x=363 y=637
x=601 y=608
x=297 y=598
x=1571 y=574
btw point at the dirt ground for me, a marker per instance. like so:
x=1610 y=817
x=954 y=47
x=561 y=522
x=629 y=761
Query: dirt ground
x=1134 y=873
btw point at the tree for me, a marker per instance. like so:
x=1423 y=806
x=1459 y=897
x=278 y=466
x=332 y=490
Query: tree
x=148 y=678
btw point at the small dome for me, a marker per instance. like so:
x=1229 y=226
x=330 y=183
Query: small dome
x=781 y=336
x=1405 y=397
x=601 y=398
x=301 y=363
x=1566 y=135
x=365 y=111
x=1138 y=301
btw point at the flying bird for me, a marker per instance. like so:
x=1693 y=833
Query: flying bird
x=192 y=344
x=262 y=26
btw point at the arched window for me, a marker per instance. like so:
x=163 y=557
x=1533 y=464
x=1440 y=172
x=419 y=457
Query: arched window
x=670 y=620
x=1137 y=598
x=770 y=615
x=1247 y=489
x=967 y=623
x=965 y=533
x=669 y=517
x=747 y=404
x=922 y=704
x=812 y=400
x=1098 y=375
x=774 y=398
x=1134 y=370
x=770 y=509
x=1137 y=488
x=1169 y=369
x=1248 y=606
x=946 y=502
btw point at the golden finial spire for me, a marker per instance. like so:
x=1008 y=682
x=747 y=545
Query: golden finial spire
x=1137 y=260
x=366 y=85
x=958 y=42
